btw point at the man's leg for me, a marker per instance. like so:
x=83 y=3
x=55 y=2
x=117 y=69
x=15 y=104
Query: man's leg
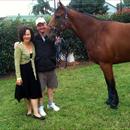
x=42 y=79
x=50 y=95
x=51 y=104
x=41 y=107
x=52 y=84
x=40 y=102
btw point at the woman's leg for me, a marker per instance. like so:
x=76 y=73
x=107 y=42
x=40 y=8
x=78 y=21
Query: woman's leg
x=29 y=107
x=34 y=103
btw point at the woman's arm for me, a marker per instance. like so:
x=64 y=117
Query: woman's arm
x=17 y=58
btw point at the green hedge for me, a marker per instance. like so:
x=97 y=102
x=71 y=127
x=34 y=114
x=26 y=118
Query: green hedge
x=124 y=17
x=8 y=35
x=7 y=38
x=73 y=44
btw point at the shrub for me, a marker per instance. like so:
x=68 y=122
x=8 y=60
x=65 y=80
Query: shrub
x=103 y=17
x=73 y=44
x=124 y=17
x=8 y=36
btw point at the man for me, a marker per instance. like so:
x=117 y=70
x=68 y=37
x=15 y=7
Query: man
x=45 y=65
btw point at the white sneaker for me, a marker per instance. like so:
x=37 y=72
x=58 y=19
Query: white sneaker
x=41 y=111
x=53 y=106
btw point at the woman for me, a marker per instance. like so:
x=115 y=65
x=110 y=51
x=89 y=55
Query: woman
x=26 y=78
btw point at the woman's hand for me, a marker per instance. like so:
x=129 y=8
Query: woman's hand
x=19 y=82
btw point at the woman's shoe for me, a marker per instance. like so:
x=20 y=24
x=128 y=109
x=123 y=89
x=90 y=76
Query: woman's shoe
x=40 y=118
x=28 y=114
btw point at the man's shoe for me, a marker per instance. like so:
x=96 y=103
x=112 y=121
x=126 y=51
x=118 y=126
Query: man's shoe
x=41 y=111
x=53 y=106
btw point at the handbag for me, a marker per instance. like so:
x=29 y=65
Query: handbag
x=19 y=92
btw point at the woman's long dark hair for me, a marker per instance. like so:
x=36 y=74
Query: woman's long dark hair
x=22 y=30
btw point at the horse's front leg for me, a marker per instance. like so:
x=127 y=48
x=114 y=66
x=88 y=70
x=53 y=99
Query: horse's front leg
x=113 y=98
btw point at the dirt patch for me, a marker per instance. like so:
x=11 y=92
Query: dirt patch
x=64 y=65
x=7 y=76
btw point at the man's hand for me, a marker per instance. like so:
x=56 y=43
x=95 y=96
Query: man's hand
x=57 y=40
x=15 y=44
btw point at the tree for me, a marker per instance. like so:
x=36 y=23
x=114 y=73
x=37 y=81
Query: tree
x=123 y=6
x=42 y=7
x=126 y=3
x=89 y=6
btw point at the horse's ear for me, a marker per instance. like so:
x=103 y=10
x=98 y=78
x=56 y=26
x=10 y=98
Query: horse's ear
x=60 y=4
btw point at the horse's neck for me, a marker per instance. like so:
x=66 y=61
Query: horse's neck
x=83 y=25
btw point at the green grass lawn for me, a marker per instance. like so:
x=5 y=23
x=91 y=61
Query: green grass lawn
x=81 y=95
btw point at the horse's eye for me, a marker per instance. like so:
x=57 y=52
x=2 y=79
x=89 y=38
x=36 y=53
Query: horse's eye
x=57 y=17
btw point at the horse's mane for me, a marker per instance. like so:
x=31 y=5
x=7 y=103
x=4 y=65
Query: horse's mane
x=83 y=14
x=88 y=14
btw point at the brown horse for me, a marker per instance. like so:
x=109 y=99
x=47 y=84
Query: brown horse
x=107 y=42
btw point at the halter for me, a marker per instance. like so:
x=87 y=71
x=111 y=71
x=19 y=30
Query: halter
x=66 y=14
x=58 y=30
x=63 y=24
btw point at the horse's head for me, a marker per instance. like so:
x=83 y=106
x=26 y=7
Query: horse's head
x=59 y=20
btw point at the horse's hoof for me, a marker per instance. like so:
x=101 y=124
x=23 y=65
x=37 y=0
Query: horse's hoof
x=113 y=106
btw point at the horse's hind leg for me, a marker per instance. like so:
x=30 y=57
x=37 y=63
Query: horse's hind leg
x=113 y=98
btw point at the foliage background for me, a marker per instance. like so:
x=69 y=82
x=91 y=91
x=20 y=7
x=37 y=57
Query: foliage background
x=8 y=36
x=89 y=6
